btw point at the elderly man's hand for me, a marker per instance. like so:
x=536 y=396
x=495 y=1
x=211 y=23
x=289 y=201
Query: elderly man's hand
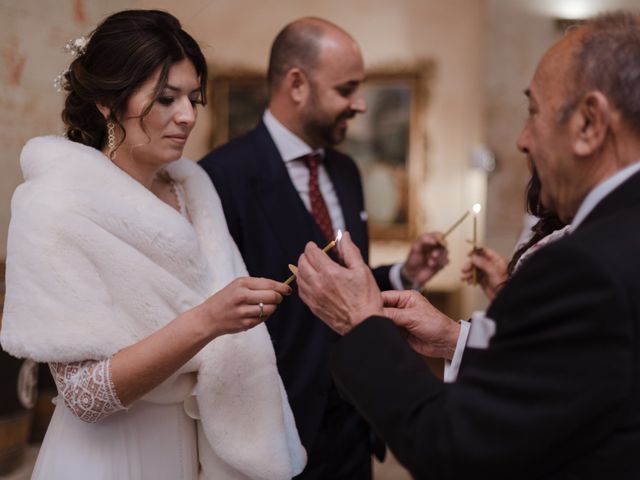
x=342 y=297
x=427 y=256
x=429 y=331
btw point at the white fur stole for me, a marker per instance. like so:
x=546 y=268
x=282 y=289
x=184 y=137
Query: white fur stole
x=96 y=262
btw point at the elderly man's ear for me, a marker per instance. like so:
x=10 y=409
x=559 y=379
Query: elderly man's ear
x=591 y=121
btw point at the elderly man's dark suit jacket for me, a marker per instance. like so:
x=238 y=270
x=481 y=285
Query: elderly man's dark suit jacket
x=271 y=226
x=556 y=395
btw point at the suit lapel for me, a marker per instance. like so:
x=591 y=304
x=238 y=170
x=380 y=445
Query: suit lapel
x=278 y=199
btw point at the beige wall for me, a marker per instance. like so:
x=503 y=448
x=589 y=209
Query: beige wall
x=32 y=38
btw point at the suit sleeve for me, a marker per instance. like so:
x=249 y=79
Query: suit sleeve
x=381 y=274
x=547 y=389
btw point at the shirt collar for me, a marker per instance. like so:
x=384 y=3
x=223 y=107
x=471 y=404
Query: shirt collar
x=595 y=196
x=289 y=145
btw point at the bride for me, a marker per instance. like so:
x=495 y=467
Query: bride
x=122 y=275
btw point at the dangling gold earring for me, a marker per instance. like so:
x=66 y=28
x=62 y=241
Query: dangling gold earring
x=111 y=140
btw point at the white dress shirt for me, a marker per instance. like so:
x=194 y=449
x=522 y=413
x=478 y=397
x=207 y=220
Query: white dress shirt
x=291 y=148
x=482 y=334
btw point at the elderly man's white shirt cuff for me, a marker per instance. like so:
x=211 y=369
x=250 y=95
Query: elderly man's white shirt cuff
x=452 y=366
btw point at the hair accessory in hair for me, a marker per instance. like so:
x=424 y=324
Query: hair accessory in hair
x=58 y=81
x=78 y=46
x=75 y=47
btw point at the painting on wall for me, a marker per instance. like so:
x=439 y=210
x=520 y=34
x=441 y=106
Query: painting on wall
x=387 y=142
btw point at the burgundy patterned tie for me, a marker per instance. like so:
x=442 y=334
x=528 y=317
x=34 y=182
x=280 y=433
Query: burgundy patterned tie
x=318 y=207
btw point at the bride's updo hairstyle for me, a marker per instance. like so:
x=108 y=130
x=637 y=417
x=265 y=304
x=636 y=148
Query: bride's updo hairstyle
x=120 y=55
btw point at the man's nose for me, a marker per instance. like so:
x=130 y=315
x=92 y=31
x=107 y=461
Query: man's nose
x=358 y=104
x=523 y=141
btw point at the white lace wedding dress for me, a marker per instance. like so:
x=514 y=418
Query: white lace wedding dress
x=153 y=439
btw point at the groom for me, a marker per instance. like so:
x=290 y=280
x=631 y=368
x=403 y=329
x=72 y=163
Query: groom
x=284 y=184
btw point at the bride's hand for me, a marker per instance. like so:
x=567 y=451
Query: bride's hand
x=241 y=305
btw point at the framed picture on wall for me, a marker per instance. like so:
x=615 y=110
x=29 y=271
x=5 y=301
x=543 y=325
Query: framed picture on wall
x=238 y=97
x=387 y=142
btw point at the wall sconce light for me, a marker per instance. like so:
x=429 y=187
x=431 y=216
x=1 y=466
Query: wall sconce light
x=483 y=159
x=570 y=13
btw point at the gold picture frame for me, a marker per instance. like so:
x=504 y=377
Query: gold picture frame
x=388 y=142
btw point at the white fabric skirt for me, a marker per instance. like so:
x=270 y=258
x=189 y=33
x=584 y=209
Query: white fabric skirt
x=148 y=441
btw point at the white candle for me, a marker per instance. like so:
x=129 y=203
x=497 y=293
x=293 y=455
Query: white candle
x=476 y=210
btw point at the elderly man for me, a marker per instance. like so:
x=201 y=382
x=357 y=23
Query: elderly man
x=282 y=185
x=549 y=386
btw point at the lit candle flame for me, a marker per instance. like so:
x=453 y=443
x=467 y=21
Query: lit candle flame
x=338 y=238
x=476 y=208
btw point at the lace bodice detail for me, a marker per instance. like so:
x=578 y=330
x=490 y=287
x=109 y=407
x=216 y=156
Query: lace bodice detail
x=87 y=389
